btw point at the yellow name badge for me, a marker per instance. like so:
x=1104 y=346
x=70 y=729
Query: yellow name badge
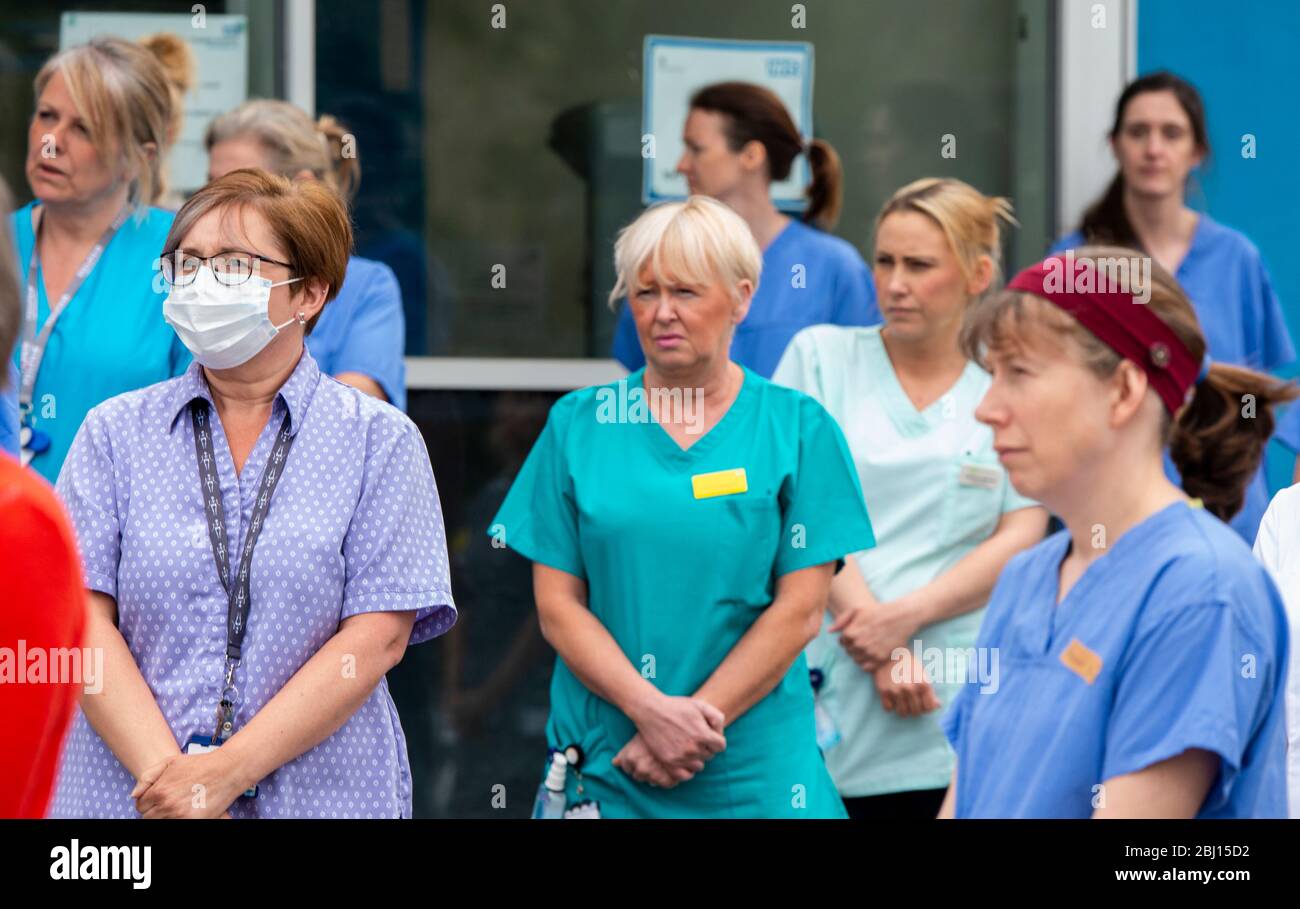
x=1080 y=660
x=719 y=483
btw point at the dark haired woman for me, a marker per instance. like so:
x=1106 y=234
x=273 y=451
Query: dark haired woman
x=739 y=139
x=1142 y=650
x=1159 y=136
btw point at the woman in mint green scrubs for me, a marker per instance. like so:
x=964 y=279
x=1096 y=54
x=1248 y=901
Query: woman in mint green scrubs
x=946 y=518
x=684 y=525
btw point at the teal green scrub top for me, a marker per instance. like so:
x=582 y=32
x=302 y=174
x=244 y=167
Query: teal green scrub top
x=936 y=491
x=111 y=337
x=607 y=496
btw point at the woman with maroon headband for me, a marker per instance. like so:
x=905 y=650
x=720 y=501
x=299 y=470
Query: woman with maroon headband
x=1141 y=651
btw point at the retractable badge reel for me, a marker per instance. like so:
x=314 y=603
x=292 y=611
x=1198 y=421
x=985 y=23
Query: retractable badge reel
x=582 y=809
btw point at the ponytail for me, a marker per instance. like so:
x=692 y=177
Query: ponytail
x=826 y=191
x=345 y=166
x=1217 y=440
x=1106 y=223
x=755 y=114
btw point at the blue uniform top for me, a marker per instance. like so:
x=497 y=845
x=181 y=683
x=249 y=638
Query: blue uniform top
x=809 y=278
x=110 y=339
x=363 y=329
x=1229 y=286
x=9 y=414
x=1174 y=639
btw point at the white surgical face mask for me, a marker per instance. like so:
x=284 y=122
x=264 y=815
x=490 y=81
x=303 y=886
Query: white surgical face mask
x=223 y=326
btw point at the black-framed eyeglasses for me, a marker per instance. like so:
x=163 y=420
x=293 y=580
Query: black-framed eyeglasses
x=232 y=268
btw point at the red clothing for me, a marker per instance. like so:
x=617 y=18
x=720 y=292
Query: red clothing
x=42 y=605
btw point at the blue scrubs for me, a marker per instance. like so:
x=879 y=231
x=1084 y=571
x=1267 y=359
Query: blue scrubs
x=1241 y=317
x=809 y=278
x=363 y=329
x=110 y=339
x=9 y=413
x=1174 y=639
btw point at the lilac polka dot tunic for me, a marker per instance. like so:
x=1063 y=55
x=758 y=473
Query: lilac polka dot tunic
x=355 y=526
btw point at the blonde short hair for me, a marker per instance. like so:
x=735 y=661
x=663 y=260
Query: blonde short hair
x=969 y=219
x=293 y=142
x=121 y=91
x=699 y=241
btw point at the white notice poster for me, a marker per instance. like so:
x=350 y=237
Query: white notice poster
x=675 y=68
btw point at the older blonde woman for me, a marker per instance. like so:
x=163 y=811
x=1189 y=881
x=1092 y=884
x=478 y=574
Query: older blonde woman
x=261 y=543
x=88 y=244
x=684 y=524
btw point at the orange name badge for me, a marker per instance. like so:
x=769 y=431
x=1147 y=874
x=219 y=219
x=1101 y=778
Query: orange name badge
x=719 y=483
x=1081 y=661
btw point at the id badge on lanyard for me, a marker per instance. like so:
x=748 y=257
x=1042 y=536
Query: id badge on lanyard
x=32 y=440
x=238 y=594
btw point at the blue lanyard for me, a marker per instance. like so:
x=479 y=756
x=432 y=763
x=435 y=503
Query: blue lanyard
x=33 y=348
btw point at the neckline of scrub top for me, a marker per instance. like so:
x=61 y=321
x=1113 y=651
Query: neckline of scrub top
x=668 y=446
x=26 y=234
x=1128 y=541
x=1194 y=248
x=781 y=235
x=905 y=416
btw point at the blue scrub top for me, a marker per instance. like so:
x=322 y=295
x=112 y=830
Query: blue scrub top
x=9 y=413
x=1174 y=639
x=111 y=338
x=836 y=289
x=363 y=329
x=1229 y=286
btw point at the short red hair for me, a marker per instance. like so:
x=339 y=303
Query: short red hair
x=305 y=217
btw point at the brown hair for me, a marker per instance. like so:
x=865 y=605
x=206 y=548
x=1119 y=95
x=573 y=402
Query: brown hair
x=293 y=142
x=1216 y=448
x=755 y=114
x=122 y=92
x=11 y=306
x=1106 y=221
x=306 y=218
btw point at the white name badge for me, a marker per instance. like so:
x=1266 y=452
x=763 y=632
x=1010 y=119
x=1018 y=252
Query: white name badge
x=980 y=476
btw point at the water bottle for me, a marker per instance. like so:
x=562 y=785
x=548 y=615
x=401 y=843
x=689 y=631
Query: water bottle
x=828 y=734
x=550 y=795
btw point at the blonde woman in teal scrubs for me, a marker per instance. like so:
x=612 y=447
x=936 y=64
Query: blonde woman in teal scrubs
x=900 y=631
x=684 y=525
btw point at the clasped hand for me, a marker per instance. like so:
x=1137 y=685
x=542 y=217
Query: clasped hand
x=674 y=739
x=189 y=786
x=871 y=633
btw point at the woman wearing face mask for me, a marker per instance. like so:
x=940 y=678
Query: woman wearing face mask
x=361 y=336
x=300 y=530
x=945 y=517
x=1158 y=137
x=739 y=138
x=88 y=244
x=1143 y=650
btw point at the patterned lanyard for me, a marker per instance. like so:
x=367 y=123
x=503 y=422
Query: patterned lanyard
x=33 y=349
x=239 y=597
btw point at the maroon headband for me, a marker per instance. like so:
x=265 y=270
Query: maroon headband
x=1122 y=323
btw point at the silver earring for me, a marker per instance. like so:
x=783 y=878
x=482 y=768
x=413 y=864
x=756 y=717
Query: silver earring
x=302 y=317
